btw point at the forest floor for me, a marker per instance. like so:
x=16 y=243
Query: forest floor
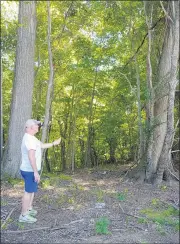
x=92 y=206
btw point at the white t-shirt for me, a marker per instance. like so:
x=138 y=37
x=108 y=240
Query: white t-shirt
x=30 y=142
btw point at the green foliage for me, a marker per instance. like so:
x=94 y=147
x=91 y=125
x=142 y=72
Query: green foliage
x=163 y=216
x=53 y=179
x=10 y=220
x=4 y=203
x=13 y=181
x=20 y=225
x=142 y=220
x=91 y=44
x=121 y=196
x=101 y=226
x=99 y=194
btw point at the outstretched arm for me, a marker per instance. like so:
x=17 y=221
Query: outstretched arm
x=48 y=145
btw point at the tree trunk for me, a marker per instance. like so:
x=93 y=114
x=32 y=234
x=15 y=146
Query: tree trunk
x=49 y=95
x=63 y=132
x=72 y=131
x=112 y=142
x=1 y=119
x=88 y=162
x=148 y=8
x=164 y=97
x=50 y=83
x=21 y=104
x=141 y=148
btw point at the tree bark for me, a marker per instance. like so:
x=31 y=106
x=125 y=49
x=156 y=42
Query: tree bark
x=21 y=104
x=51 y=80
x=150 y=103
x=1 y=119
x=49 y=95
x=88 y=162
x=164 y=97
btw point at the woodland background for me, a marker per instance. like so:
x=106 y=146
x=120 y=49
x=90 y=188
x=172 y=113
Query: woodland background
x=103 y=75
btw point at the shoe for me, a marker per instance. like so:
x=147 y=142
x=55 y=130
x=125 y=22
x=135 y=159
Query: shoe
x=32 y=212
x=27 y=219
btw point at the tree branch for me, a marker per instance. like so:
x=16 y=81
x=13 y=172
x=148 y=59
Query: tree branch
x=142 y=42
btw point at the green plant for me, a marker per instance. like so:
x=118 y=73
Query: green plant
x=20 y=225
x=12 y=181
x=45 y=183
x=102 y=225
x=8 y=222
x=142 y=220
x=121 y=196
x=155 y=201
x=4 y=203
x=163 y=217
x=65 y=177
x=99 y=194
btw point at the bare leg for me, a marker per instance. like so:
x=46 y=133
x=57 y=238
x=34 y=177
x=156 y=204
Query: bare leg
x=26 y=199
x=31 y=201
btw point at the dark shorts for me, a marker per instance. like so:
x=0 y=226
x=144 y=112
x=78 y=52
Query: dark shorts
x=30 y=185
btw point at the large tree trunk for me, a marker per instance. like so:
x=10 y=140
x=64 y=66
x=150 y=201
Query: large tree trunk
x=21 y=104
x=164 y=97
x=1 y=119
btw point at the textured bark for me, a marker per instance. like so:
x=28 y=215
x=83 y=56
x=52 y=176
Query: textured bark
x=1 y=118
x=164 y=96
x=141 y=148
x=21 y=104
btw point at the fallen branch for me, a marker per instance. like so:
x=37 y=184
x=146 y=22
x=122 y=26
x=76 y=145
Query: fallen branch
x=72 y=222
x=135 y=216
x=9 y=215
x=41 y=228
x=121 y=207
x=173 y=175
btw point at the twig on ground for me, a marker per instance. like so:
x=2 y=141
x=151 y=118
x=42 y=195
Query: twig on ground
x=134 y=226
x=55 y=222
x=72 y=222
x=9 y=215
x=173 y=175
x=41 y=228
x=14 y=203
x=121 y=207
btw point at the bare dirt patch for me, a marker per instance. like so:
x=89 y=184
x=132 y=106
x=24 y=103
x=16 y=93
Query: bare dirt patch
x=72 y=210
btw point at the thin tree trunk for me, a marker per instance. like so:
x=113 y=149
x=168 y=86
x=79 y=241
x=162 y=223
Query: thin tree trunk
x=140 y=150
x=150 y=104
x=88 y=162
x=51 y=80
x=63 y=132
x=21 y=104
x=49 y=95
x=72 y=132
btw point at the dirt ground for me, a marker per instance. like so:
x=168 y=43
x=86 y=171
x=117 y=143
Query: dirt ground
x=69 y=208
